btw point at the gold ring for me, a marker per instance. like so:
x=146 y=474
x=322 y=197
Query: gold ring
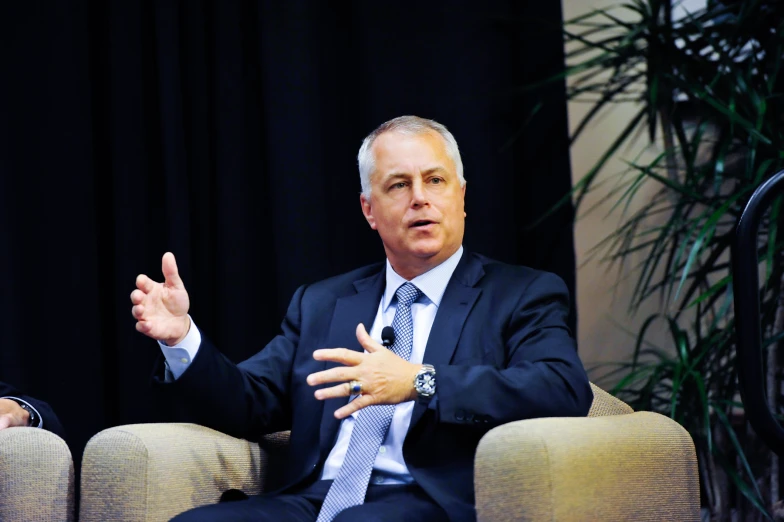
x=355 y=387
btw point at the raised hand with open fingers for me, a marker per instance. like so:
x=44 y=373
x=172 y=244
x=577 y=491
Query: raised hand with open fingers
x=384 y=377
x=161 y=309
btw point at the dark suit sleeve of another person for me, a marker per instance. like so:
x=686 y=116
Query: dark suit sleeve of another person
x=526 y=363
x=50 y=420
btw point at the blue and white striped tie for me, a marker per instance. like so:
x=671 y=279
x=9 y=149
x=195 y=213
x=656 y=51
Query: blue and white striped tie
x=349 y=487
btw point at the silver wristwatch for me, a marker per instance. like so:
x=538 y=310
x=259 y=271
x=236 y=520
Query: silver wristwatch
x=425 y=383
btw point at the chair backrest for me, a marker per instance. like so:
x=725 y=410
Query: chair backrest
x=276 y=448
x=605 y=404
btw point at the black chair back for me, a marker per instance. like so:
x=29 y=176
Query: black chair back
x=745 y=283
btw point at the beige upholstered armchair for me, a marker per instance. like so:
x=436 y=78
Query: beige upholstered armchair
x=36 y=476
x=613 y=465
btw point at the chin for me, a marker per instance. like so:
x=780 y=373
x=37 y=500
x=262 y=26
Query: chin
x=426 y=251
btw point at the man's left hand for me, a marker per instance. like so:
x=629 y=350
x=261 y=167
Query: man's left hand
x=385 y=377
x=12 y=415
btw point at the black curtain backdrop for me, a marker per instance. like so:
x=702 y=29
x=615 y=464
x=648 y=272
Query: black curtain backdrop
x=226 y=132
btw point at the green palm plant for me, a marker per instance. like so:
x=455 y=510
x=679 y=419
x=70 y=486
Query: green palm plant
x=709 y=83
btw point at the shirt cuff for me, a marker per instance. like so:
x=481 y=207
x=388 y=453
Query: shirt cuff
x=37 y=413
x=180 y=356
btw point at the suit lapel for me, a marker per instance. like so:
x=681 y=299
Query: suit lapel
x=457 y=302
x=349 y=312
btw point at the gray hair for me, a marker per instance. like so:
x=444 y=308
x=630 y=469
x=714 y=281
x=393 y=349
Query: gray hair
x=410 y=126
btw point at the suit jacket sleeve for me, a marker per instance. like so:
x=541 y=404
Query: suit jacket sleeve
x=540 y=376
x=244 y=400
x=50 y=420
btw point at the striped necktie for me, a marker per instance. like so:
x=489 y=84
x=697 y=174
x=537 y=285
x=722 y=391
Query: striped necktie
x=349 y=487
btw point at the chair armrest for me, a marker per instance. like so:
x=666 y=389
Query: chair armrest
x=146 y=472
x=639 y=466
x=36 y=476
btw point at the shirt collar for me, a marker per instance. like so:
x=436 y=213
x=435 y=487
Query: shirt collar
x=432 y=283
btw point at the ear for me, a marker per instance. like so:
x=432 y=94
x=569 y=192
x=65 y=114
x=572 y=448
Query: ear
x=367 y=211
x=464 y=213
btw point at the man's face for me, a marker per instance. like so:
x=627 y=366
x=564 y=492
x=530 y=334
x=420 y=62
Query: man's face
x=416 y=204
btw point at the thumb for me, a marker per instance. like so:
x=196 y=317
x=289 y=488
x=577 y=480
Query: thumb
x=365 y=340
x=170 y=273
x=5 y=421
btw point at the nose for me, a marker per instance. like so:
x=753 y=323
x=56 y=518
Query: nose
x=418 y=195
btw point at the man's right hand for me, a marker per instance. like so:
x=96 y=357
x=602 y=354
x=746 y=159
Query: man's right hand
x=161 y=309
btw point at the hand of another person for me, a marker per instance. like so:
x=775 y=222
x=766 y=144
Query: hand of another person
x=12 y=415
x=385 y=377
x=161 y=309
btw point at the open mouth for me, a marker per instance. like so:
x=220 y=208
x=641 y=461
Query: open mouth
x=421 y=223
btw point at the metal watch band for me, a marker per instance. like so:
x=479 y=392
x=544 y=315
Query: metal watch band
x=33 y=420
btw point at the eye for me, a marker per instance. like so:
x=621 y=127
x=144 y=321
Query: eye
x=398 y=185
x=436 y=181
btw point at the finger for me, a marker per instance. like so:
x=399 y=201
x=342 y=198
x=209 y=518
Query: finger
x=144 y=283
x=137 y=311
x=137 y=296
x=339 y=374
x=143 y=327
x=366 y=341
x=339 y=355
x=341 y=390
x=170 y=273
x=5 y=421
x=357 y=404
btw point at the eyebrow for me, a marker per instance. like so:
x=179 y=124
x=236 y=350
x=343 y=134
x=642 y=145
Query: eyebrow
x=404 y=174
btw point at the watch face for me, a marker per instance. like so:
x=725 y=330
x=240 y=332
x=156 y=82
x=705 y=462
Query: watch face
x=426 y=383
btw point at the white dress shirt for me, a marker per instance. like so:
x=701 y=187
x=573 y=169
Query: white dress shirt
x=389 y=467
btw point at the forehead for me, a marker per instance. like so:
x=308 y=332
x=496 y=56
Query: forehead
x=395 y=152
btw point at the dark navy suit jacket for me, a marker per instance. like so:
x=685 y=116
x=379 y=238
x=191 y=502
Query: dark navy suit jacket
x=499 y=344
x=51 y=422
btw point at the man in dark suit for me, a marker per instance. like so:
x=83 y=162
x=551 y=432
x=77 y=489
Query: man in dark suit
x=378 y=433
x=17 y=410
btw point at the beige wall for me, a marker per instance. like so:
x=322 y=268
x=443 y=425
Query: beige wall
x=603 y=300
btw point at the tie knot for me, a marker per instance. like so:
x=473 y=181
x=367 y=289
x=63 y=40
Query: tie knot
x=407 y=294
